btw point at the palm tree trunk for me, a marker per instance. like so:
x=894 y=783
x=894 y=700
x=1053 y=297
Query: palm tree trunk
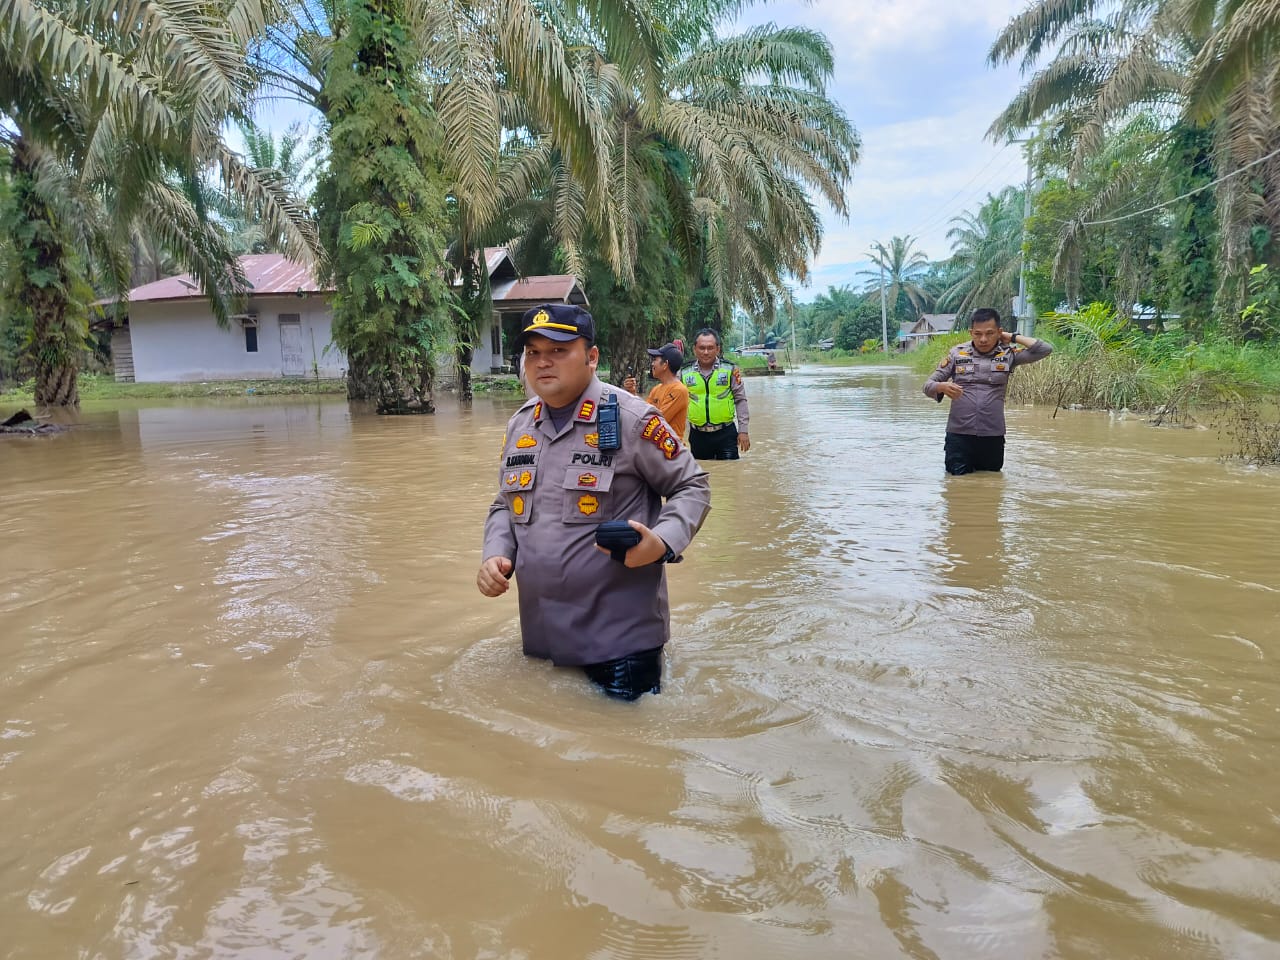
x=477 y=306
x=463 y=354
x=627 y=356
x=48 y=281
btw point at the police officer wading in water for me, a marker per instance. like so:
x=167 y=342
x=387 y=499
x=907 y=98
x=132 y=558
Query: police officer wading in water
x=716 y=394
x=565 y=470
x=975 y=376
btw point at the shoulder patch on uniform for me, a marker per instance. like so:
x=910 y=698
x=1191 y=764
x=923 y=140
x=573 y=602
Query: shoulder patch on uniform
x=737 y=375
x=944 y=361
x=656 y=432
x=526 y=441
x=585 y=411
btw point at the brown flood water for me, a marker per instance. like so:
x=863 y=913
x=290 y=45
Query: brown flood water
x=252 y=705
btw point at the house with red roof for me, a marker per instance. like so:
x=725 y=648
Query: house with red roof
x=168 y=331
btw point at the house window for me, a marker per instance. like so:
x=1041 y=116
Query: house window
x=251 y=339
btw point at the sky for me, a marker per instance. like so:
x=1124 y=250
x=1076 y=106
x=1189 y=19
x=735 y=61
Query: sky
x=912 y=77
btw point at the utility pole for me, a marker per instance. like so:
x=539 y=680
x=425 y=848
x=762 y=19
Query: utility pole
x=1028 y=314
x=884 y=309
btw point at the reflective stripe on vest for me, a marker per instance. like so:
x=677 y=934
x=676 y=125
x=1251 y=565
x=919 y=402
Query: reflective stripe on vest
x=713 y=405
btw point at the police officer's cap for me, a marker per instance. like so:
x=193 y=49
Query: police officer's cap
x=557 y=321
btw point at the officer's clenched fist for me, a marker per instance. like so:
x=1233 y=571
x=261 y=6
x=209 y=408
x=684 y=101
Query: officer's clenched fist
x=493 y=576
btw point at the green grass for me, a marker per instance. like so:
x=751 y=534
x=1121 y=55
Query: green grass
x=849 y=358
x=930 y=355
x=496 y=384
x=752 y=361
x=97 y=387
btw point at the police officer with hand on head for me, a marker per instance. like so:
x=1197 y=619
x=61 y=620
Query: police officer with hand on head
x=577 y=454
x=716 y=396
x=975 y=376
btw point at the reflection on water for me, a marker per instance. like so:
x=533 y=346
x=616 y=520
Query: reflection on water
x=973 y=533
x=254 y=705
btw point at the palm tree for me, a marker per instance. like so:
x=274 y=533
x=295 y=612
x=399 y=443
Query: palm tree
x=1247 y=34
x=723 y=168
x=986 y=250
x=901 y=271
x=115 y=109
x=289 y=161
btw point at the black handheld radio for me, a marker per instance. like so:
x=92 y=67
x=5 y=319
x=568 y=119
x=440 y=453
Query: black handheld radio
x=607 y=424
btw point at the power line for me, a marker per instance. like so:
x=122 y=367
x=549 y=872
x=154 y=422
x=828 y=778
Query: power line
x=981 y=170
x=949 y=213
x=1189 y=193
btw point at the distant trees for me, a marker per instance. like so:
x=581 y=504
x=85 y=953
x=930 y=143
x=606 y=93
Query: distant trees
x=842 y=315
x=986 y=254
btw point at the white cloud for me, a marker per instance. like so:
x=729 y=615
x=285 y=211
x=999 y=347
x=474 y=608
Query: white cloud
x=860 y=28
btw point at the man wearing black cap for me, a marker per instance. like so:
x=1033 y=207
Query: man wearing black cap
x=669 y=395
x=560 y=478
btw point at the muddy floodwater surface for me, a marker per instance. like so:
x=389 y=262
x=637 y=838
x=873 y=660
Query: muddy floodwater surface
x=252 y=704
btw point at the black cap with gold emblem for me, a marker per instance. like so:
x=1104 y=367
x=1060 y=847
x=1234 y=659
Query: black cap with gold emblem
x=556 y=321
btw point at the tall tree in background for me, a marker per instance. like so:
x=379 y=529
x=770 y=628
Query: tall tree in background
x=382 y=209
x=721 y=170
x=490 y=69
x=986 y=250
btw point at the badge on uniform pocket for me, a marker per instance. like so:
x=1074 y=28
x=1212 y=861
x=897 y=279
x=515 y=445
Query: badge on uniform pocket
x=586 y=493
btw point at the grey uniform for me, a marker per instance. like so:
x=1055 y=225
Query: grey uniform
x=979 y=411
x=578 y=606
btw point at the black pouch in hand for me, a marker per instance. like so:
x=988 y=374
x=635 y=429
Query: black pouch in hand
x=617 y=536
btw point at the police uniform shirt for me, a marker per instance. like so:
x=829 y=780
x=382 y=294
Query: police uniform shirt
x=979 y=411
x=577 y=605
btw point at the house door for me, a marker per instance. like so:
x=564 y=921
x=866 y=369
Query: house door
x=292 y=363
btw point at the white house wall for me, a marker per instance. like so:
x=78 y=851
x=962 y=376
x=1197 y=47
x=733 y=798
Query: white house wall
x=180 y=340
x=483 y=359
